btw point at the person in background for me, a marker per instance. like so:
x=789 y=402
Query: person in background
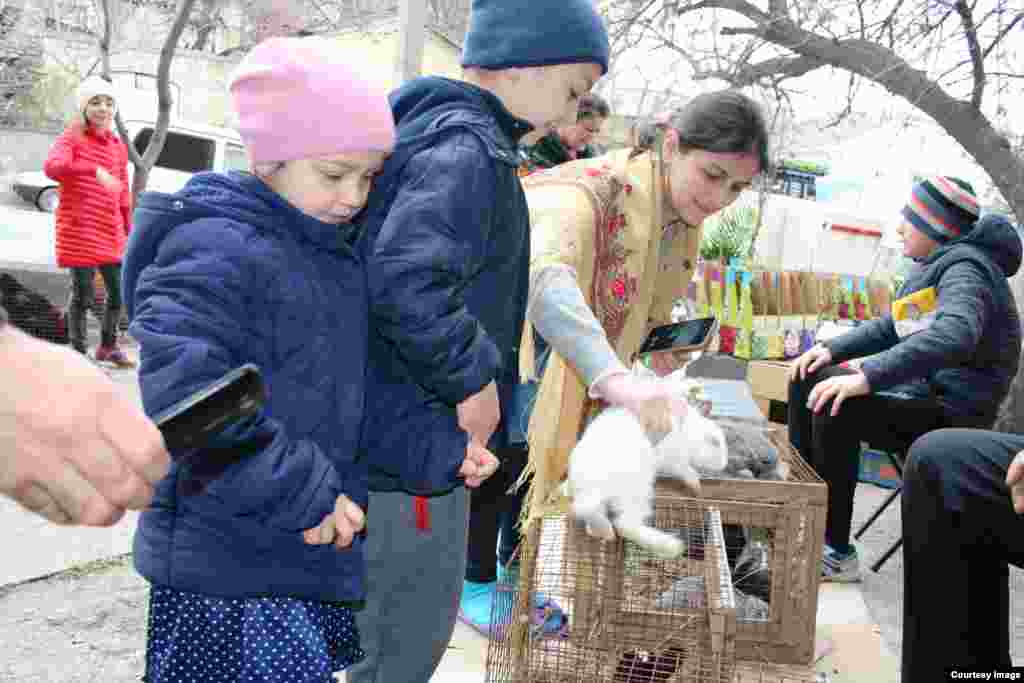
x=446 y=240
x=568 y=143
x=963 y=496
x=944 y=357
x=73 y=448
x=90 y=163
x=613 y=243
x=253 y=545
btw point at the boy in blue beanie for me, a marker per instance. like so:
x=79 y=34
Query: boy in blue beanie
x=447 y=251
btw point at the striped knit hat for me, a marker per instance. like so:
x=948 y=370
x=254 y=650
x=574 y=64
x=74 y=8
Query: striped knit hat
x=942 y=207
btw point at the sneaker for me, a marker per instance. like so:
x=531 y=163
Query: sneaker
x=114 y=356
x=839 y=567
x=476 y=606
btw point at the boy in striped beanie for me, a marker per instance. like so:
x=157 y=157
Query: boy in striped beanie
x=944 y=356
x=940 y=209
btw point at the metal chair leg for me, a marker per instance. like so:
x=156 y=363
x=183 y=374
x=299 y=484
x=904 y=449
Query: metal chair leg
x=878 y=511
x=888 y=553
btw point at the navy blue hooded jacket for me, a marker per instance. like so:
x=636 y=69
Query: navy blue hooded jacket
x=224 y=273
x=446 y=244
x=969 y=355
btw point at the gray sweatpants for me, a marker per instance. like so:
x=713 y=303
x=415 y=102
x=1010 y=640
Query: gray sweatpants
x=414 y=581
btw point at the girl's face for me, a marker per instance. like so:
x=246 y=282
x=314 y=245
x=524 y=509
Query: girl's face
x=99 y=111
x=701 y=183
x=547 y=96
x=916 y=244
x=331 y=189
x=583 y=133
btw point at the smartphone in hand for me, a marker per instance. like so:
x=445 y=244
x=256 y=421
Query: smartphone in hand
x=689 y=335
x=193 y=421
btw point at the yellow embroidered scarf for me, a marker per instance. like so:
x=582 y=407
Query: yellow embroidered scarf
x=601 y=217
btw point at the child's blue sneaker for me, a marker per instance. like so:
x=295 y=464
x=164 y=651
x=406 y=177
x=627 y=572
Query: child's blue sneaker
x=840 y=567
x=477 y=605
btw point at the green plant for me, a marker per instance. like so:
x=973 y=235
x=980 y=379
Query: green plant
x=728 y=235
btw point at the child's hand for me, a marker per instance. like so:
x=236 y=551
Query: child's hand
x=479 y=464
x=107 y=180
x=339 y=527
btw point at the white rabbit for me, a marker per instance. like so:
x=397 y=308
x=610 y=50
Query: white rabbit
x=613 y=468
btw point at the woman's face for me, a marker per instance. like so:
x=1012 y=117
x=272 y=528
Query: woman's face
x=99 y=111
x=582 y=133
x=702 y=183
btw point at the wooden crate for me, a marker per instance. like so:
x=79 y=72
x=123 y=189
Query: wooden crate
x=794 y=511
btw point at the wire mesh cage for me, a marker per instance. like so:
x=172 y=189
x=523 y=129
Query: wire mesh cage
x=623 y=614
x=774 y=533
x=621 y=602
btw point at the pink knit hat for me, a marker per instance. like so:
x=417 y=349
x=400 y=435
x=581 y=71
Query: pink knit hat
x=299 y=98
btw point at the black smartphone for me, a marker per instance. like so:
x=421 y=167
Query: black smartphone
x=190 y=422
x=689 y=335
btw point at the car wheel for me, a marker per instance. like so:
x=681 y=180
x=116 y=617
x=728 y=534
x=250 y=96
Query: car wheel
x=48 y=199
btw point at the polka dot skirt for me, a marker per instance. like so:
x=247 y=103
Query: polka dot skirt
x=195 y=638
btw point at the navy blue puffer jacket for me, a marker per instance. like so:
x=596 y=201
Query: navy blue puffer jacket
x=224 y=273
x=446 y=243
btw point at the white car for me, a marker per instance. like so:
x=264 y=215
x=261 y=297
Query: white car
x=36 y=188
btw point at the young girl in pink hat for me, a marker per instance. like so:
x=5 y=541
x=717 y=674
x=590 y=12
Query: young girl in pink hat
x=254 y=544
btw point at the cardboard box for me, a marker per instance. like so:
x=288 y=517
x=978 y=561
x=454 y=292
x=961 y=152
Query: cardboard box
x=769 y=382
x=769 y=379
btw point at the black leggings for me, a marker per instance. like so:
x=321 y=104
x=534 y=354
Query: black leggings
x=83 y=295
x=960 y=534
x=831 y=445
x=493 y=512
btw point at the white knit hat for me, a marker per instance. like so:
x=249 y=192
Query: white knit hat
x=92 y=87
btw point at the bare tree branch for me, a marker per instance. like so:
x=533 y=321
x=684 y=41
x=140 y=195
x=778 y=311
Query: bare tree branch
x=977 y=63
x=1003 y=33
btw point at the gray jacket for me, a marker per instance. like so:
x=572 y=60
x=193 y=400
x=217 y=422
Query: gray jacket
x=969 y=355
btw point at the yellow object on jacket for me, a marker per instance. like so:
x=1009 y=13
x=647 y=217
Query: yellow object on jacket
x=602 y=218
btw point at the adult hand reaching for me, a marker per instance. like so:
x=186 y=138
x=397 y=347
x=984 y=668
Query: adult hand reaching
x=631 y=392
x=74 y=447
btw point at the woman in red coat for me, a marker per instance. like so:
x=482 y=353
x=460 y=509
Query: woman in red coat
x=94 y=216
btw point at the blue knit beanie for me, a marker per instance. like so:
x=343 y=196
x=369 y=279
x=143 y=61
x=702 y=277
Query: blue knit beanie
x=942 y=207
x=518 y=33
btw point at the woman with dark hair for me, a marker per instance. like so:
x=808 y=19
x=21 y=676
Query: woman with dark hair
x=569 y=143
x=614 y=242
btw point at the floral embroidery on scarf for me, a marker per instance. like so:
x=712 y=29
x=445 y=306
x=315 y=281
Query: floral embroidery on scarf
x=613 y=289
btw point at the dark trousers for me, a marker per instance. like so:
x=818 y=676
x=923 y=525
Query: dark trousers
x=83 y=295
x=960 y=534
x=831 y=445
x=494 y=513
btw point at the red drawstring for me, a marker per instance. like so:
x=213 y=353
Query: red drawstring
x=422 y=514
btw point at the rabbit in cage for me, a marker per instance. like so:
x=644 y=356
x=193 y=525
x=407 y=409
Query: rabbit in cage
x=614 y=465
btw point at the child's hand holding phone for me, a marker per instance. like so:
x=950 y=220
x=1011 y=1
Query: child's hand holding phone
x=479 y=464
x=339 y=527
